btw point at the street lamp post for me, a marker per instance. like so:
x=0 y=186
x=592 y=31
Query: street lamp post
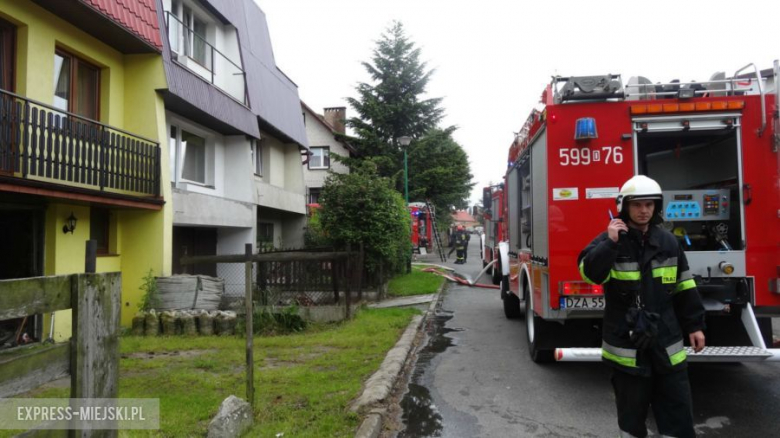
x=405 y=141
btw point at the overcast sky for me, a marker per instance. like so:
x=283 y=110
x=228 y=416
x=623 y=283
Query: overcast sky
x=492 y=59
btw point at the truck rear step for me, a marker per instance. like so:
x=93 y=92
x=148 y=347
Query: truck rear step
x=709 y=354
x=748 y=353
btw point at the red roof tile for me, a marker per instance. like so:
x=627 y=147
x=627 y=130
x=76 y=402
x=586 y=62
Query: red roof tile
x=137 y=16
x=463 y=216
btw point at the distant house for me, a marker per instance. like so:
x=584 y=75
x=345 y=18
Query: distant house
x=462 y=217
x=321 y=132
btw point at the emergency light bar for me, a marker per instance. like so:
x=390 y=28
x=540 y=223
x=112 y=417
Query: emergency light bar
x=581 y=288
x=585 y=129
x=658 y=108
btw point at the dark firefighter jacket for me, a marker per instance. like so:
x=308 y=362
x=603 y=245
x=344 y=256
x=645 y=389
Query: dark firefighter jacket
x=652 y=267
x=461 y=240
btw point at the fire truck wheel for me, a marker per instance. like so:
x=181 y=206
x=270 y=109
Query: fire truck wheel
x=535 y=329
x=511 y=301
x=496 y=273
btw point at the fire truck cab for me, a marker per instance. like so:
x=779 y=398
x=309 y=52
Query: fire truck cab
x=713 y=148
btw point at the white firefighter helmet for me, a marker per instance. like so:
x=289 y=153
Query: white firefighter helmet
x=638 y=188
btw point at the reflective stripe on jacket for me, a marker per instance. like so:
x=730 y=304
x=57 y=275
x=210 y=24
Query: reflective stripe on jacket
x=651 y=269
x=461 y=240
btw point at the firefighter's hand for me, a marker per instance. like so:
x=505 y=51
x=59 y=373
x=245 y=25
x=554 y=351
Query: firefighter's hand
x=615 y=227
x=697 y=341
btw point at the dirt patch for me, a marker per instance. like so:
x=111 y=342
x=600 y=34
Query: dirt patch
x=318 y=351
x=166 y=354
x=272 y=362
x=63 y=382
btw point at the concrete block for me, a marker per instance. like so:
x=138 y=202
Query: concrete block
x=233 y=419
x=371 y=427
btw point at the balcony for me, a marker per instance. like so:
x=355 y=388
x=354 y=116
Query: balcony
x=192 y=51
x=44 y=145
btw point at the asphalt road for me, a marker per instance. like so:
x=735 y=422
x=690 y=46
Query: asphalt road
x=474 y=378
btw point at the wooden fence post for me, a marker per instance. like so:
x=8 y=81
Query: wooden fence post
x=96 y=308
x=96 y=313
x=335 y=266
x=360 y=269
x=250 y=382
x=380 y=280
x=96 y=303
x=349 y=266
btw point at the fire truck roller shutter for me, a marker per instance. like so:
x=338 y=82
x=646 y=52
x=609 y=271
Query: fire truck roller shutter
x=699 y=170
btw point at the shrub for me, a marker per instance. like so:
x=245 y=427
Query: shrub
x=272 y=320
x=361 y=207
x=151 y=297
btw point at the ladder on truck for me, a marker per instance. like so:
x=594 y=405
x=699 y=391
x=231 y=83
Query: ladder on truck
x=436 y=236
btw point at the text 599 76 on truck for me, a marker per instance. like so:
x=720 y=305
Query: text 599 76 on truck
x=713 y=148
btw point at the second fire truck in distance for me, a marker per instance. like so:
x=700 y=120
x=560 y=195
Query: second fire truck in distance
x=493 y=219
x=713 y=148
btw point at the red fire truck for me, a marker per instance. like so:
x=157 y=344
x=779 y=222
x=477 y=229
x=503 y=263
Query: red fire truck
x=493 y=218
x=422 y=226
x=712 y=146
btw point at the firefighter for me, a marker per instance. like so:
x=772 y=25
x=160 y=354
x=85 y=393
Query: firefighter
x=652 y=305
x=461 y=241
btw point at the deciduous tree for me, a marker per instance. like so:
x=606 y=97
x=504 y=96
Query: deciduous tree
x=362 y=207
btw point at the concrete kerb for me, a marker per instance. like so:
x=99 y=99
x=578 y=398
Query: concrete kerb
x=379 y=386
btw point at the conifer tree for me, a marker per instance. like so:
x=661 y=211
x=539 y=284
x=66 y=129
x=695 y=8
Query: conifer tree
x=392 y=106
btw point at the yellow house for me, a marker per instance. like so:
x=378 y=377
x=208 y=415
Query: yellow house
x=82 y=145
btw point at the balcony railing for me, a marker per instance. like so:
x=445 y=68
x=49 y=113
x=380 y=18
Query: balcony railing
x=40 y=142
x=198 y=55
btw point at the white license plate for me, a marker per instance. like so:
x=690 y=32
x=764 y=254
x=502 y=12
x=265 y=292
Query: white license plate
x=582 y=302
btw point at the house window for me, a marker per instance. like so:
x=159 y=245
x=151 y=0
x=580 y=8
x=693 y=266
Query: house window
x=314 y=195
x=256 y=150
x=265 y=236
x=76 y=85
x=189 y=31
x=99 y=228
x=193 y=150
x=320 y=158
x=195 y=44
x=7 y=44
x=190 y=155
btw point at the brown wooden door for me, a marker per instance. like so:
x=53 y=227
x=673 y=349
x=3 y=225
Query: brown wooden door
x=194 y=242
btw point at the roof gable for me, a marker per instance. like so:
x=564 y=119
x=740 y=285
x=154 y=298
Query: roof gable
x=137 y=16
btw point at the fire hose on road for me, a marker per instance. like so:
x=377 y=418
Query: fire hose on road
x=452 y=275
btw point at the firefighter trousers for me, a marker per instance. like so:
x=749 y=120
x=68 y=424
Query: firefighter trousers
x=460 y=254
x=668 y=394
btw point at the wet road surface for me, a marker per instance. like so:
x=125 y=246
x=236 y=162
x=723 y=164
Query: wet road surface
x=473 y=378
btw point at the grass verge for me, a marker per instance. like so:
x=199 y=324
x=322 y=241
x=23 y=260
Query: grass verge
x=415 y=283
x=303 y=382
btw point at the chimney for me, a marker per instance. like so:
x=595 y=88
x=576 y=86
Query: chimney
x=335 y=117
